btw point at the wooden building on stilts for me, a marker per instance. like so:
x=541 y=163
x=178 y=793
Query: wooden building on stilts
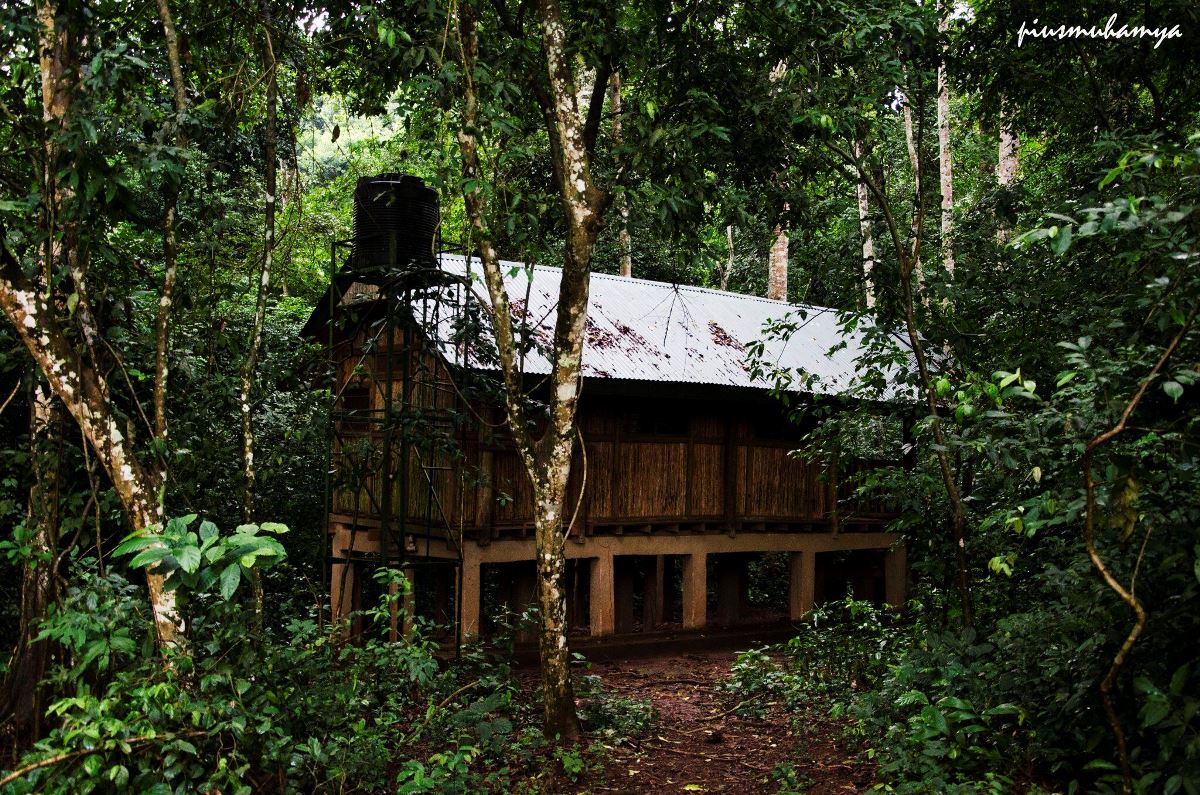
x=684 y=485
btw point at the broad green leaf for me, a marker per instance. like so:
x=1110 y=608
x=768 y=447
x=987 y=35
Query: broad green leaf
x=152 y=555
x=1110 y=176
x=136 y=542
x=932 y=717
x=189 y=558
x=1173 y=389
x=230 y=577
x=180 y=523
x=1157 y=707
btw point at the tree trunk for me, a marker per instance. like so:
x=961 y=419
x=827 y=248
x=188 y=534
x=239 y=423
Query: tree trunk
x=1007 y=162
x=74 y=377
x=864 y=228
x=907 y=260
x=621 y=200
x=912 y=140
x=727 y=271
x=170 y=245
x=777 y=264
x=24 y=703
x=945 y=166
x=547 y=460
x=264 y=275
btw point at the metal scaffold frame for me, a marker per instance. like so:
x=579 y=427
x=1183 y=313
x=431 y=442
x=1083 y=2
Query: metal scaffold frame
x=401 y=443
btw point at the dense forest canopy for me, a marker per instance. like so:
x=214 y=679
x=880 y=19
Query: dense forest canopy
x=1017 y=219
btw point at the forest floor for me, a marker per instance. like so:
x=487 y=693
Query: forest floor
x=699 y=744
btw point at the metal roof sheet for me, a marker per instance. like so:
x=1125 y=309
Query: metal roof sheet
x=654 y=331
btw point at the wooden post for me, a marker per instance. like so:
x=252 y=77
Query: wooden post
x=409 y=602
x=341 y=600
x=801 y=592
x=728 y=590
x=394 y=613
x=623 y=593
x=653 y=594
x=695 y=590
x=524 y=596
x=603 y=617
x=470 y=576
x=895 y=575
x=575 y=599
x=341 y=574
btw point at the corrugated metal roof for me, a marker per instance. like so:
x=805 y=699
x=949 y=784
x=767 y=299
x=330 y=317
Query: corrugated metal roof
x=653 y=331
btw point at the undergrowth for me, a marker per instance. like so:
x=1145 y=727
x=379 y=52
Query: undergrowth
x=952 y=711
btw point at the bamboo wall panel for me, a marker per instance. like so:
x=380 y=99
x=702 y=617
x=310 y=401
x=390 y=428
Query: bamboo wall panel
x=776 y=485
x=652 y=480
x=600 y=505
x=707 y=484
x=510 y=479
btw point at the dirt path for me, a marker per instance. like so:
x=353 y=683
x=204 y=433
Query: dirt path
x=699 y=745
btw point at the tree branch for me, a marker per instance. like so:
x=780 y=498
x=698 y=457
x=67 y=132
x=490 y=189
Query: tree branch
x=1089 y=540
x=591 y=127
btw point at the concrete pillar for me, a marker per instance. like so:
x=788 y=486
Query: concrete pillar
x=623 y=593
x=801 y=591
x=470 y=576
x=895 y=575
x=603 y=617
x=653 y=594
x=695 y=590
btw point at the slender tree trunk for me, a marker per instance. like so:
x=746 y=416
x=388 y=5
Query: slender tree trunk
x=1009 y=157
x=907 y=259
x=170 y=245
x=621 y=201
x=777 y=264
x=1007 y=162
x=264 y=276
x=945 y=165
x=547 y=459
x=912 y=140
x=23 y=697
x=727 y=271
x=864 y=228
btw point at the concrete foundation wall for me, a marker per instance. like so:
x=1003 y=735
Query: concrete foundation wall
x=610 y=611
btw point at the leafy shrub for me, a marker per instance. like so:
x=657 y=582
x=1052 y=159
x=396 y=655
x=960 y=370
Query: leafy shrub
x=298 y=710
x=612 y=717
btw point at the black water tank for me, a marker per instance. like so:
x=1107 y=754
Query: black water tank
x=395 y=222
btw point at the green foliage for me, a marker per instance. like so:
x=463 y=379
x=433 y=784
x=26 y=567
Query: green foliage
x=841 y=648
x=300 y=706
x=195 y=560
x=612 y=717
